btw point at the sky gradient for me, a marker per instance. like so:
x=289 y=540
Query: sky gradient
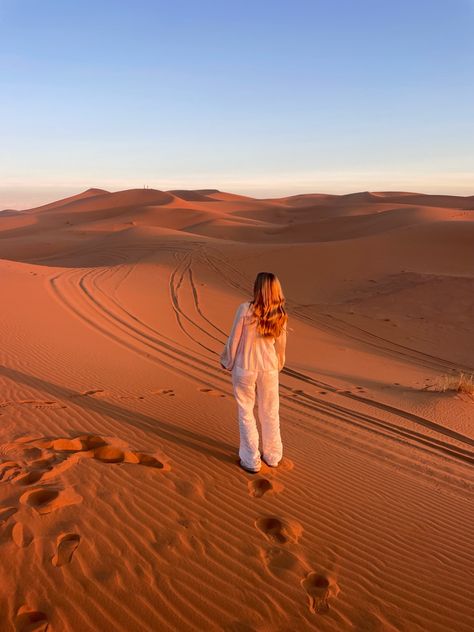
x=263 y=97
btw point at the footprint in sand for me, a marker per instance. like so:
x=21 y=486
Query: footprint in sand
x=45 y=463
x=21 y=535
x=319 y=589
x=145 y=459
x=9 y=470
x=40 y=499
x=164 y=391
x=6 y=512
x=212 y=392
x=47 y=499
x=261 y=486
x=67 y=445
x=30 y=478
x=190 y=489
x=278 y=530
x=66 y=546
x=110 y=454
x=279 y=561
x=42 y=404
x=17 y=452
x=31 y=620
x=90 y=393
x=32 y=453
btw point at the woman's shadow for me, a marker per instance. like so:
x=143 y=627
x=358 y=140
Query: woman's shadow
x=184 y=438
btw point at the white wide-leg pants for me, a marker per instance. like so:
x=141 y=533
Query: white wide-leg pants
x=265 y=383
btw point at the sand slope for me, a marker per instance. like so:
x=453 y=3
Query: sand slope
x=122 y=506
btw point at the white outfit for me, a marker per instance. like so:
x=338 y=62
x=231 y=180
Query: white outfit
x=255 y=362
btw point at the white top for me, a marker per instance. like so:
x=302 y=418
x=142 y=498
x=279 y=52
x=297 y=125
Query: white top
x=247 y=349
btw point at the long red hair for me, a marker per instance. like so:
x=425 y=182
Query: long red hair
x=269 y=305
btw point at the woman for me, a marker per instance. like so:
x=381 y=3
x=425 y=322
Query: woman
x=255 y=353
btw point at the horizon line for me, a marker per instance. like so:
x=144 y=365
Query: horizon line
x=220 y=190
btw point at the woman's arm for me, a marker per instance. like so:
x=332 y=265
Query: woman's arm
x=230 y=349
x=280 y=347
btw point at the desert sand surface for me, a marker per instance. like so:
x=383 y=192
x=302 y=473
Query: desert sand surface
x=122 y=505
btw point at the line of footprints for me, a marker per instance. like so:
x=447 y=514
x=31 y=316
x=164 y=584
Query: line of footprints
x=35 y=464
x=282 y=534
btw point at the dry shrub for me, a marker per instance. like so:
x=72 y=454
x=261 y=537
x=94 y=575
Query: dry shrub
x=460 y=383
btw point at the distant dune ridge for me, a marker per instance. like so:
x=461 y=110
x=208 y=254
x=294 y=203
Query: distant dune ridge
x=122 y=505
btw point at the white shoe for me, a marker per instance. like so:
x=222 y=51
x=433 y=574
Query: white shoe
x=270 y=464
x=248 y=469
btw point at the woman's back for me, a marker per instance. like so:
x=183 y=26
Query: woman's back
x=249 y=350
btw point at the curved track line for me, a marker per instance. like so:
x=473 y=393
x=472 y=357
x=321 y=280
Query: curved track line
x=174 y=286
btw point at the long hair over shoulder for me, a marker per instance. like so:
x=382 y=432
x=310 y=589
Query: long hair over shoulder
x=268 y=305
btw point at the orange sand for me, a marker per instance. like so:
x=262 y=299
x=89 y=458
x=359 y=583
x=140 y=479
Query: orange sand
x=122 y=506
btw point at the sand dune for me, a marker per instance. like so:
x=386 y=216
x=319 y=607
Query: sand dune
x=122 y=506
x=8 y=211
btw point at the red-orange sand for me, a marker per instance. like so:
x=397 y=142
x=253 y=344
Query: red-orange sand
x=122 y=506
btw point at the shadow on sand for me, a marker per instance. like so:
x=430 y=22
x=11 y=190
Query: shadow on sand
x=181 y=437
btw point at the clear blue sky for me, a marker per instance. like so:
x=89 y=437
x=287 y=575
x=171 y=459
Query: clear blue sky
x=257 y=96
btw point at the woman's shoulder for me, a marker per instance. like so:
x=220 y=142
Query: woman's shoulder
x=244 y=306
x=244 y=309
